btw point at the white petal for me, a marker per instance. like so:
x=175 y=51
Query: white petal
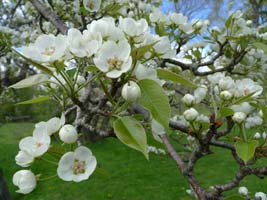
x=82 y=153
x=26 y=144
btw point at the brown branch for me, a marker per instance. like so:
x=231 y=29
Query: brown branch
x=180 y=127
x=230 y=125
x=198 y=190
x=48 y=15
x=239 y=176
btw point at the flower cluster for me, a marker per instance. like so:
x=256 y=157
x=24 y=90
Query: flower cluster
x=73 y=166
x=96 y=42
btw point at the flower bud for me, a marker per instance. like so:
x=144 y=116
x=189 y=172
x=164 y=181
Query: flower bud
x=24 y=159
x=131 y=91
x=188 y=100
x=226 y=95
x=264 y=135
x=25 y=180
x=260 y=196
x=190 y=114
x=68 y=134
x=257 y=135
x=239 y=117
x=243 y=191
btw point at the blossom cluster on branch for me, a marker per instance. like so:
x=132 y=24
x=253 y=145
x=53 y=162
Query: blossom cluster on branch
x=127 y=70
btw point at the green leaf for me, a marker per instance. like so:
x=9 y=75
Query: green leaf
x=246 y=150
x=131 y=133
x=35 y=100
x=261 y=46
x=30 y=81
x=245 y=98
x=264 y=110
x=159 y=29
x=168 y=75
x=234 y=197
x=39 y=66
x=71 y=72
x=156 y=101
x=141 y=51
x=91 y=68
x=226 y=112
x=229 y=21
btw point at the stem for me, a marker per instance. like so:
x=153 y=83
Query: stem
x=61 y=84
x=89 y=81
x=106 y=92
x=49 y=161
x=243 y=132
x=66 y=78
x=48 y=178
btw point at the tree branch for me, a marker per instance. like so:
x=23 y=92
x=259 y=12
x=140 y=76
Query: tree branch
x=48 y=15
x=198 y=190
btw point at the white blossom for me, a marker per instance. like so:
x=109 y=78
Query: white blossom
x=177 y=18
x=81 y=45
x=200 y=93
x=131 y=91
x=37 y=144
x=92 y=5
x=76 y=166
x=257 y=135
x=188 y=99
x=24 y=159
x=247 y=86
x=243 y=190
x=226 y=83
x=114 y=59
x=46 y=48
x=244 y=107
x=25 y=180
x=144 y=72
x=239 y=117
x=107 y=29
x=253 y=121
x=68 y=134
x=190 y=114
x=264 y=135
x=132 y=27
x=226 y=95
x=51 y=126
x=260 y=196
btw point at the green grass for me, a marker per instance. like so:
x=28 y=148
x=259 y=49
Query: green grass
x=124 y=173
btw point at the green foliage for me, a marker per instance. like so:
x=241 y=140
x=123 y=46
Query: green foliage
x=246 y=150
x=35 y=100
x=30 y=81
x=176 y=78
x=235 y=197
x=131 y=132
x=226 y=112
x=128 y=176
x=154 y=99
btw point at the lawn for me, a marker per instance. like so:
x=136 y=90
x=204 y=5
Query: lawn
x=123 y=174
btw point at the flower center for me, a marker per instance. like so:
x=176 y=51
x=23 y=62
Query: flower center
x=115 y=63
x=246 y=91
x=78 y=167
x=91 y=5
x=38 y=144
x=49 y=51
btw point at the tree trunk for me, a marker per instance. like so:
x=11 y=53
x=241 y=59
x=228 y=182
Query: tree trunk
x=4 y=193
